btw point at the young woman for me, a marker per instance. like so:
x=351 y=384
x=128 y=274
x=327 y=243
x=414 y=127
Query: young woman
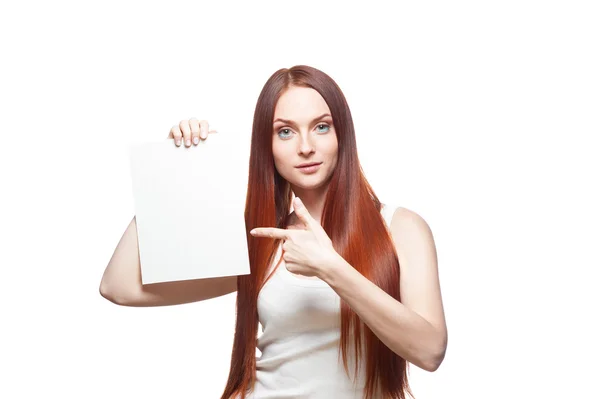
x=338 y=281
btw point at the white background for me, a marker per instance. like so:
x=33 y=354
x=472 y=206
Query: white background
x=483 y=117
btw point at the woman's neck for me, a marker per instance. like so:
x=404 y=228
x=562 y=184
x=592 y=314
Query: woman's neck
x=313 y=200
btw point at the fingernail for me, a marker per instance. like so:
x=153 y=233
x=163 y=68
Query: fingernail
x=196 y=140
x=178 y=142
x=187 y=142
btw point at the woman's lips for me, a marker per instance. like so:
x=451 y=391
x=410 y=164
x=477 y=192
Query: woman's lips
x=310 y=169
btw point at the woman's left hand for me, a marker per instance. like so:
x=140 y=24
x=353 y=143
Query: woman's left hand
x=308 y=250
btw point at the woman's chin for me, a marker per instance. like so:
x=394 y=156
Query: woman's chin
x=308 y=183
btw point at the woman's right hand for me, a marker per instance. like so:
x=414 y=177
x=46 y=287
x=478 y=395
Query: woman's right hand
x=189 y=132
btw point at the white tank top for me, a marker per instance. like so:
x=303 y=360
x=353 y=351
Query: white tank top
x=300 y=320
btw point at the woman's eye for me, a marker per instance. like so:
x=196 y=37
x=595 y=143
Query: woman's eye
x=279 y=133
x=324 y=125
x=319 y=127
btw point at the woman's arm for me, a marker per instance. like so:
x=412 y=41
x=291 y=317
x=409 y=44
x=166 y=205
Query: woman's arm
x=122 y=280
x=416 y=328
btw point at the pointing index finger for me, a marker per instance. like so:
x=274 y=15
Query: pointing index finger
x=270 y=232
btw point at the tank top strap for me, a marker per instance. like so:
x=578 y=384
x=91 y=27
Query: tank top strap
x=387 y=213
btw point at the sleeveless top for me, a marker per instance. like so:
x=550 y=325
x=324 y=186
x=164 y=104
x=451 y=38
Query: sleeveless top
x=300 y=320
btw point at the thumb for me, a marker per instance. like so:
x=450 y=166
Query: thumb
x=302 y=212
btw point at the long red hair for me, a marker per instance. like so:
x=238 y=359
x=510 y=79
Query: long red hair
x=352 y=219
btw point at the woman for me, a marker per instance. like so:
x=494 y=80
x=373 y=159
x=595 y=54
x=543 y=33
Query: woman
x=359 y=286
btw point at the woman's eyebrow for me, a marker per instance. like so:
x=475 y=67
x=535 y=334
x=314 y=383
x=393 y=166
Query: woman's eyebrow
x=294 y=124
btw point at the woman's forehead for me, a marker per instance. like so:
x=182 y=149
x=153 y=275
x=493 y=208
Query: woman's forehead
x=300 y=105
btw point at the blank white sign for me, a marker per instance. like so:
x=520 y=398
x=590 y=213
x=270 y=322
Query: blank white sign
x=189 y=206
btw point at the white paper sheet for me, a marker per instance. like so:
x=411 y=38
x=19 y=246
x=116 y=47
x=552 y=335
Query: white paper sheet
x=189 y=207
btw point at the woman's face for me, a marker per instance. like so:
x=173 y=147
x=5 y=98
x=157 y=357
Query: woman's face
x=303 y=132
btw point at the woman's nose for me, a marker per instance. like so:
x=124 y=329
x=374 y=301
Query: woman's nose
x=306 y=145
